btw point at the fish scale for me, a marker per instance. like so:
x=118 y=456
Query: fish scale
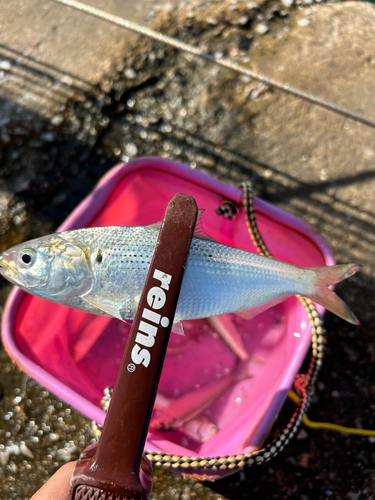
x=218 y=279
x=102 y=270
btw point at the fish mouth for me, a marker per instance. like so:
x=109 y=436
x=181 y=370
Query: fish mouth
x=2 y=264
x=8 y=270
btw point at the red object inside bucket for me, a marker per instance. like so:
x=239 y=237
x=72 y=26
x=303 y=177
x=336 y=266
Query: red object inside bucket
x=83 y=352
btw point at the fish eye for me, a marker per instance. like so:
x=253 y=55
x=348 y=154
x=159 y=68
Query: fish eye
x=27 y=257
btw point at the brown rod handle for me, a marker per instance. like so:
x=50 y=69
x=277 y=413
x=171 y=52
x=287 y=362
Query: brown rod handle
x=115 y=464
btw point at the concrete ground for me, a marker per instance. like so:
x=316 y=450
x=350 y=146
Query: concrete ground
x=50 y=52
x=308 y=161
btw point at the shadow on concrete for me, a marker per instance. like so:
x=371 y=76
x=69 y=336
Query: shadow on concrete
x=311 y=202
x=36 y=85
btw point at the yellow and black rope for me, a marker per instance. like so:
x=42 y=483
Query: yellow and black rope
x=304 y=385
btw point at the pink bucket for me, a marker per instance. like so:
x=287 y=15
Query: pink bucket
x=76 y=355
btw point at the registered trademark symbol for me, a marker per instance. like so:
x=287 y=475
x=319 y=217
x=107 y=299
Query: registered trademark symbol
x=131 y=367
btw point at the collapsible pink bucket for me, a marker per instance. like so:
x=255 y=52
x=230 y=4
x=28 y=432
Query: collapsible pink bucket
x=76 y=355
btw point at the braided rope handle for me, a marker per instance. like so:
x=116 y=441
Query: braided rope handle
x=84 y=492
x=304 y=384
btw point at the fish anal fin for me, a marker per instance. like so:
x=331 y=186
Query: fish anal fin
x=254 y=311
x=104 y=306
x=177 y=328
x=246 y=314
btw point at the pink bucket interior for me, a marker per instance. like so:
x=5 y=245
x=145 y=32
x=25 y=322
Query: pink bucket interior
x=76 y=355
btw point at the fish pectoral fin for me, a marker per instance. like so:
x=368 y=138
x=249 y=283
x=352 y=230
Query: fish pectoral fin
x=156 y=225
x=199 y=232
x=177 y=328
x=104 y=306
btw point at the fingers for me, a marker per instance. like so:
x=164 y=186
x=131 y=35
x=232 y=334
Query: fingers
x=57 y=487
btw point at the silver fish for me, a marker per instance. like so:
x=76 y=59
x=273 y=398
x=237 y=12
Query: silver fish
x=102 y=270
x=224 y=326
x=170 y=413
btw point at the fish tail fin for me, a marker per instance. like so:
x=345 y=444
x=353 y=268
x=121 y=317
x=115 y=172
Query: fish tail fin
x=331 y=275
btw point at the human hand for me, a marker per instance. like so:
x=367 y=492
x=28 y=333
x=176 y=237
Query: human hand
x=57 y=487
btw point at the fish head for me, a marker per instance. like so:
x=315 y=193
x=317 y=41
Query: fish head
x=49 y=267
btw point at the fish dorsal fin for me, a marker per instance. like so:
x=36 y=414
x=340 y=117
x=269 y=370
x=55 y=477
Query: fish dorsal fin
x=104 y=306
x=199 y=232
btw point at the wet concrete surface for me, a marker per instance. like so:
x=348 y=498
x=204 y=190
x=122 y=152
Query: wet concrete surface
x=308 y=161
